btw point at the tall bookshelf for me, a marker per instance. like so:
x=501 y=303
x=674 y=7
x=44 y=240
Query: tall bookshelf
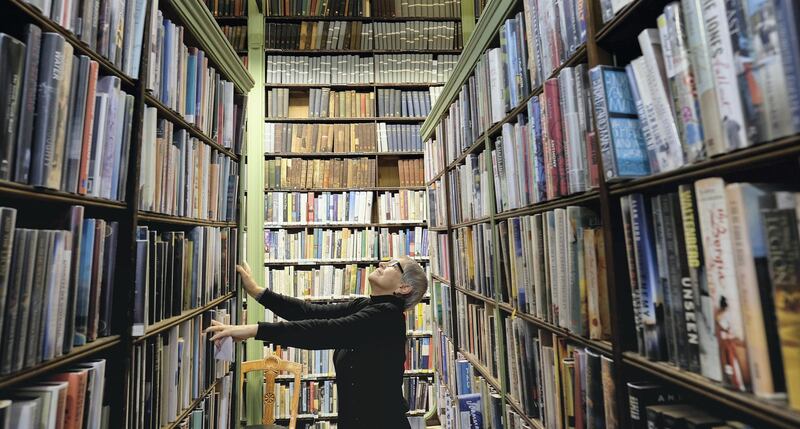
x=608 y=42
x=43 y=208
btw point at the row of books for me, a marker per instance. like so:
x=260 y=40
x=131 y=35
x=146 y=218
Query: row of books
x=319 y=35
x=437 y=204
x=182 y=176
x=554 y=268
x=441 y=312
x=73 y=398
x=418 y=320
x=553 y=31
x=418 y=393
x=320 y=103
x=471 y=402
x=316 y=8
x=469 y=196
x=214 y=411
x=380 y=8
x=237 y=35
x=302 y=208
x=472 y=258
x=405 y=242
x=321 y=70
x=180 y=271
x=175 y=367
x=416 y=8
x=402 y=206
x=681 y=102
x=434 y=157
x=66 y=127
x=56 y=288
x=92 y=24
x=476 y=323
x=414 y=68
x=417 y=35
x=717 y=252
x=326 y=281
x=399 y=138
x=320 y=138
x=418 y=355
x=410 y=172
x=440 y=255
x=321 y=244
x=182 y=78
x=396 y=103
x=316 y=398
x=223 y=8
x=296 y=173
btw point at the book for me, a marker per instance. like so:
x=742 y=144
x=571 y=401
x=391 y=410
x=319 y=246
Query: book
x=404 y=242
x=403 y=206
x=642 y=395
x=287 y=208
x=221 y=8
x=11 y=85
x=321 y=245
x=326 y=138
x=330 y=174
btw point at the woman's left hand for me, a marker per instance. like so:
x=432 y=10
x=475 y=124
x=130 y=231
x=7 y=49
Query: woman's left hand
x=236 y=332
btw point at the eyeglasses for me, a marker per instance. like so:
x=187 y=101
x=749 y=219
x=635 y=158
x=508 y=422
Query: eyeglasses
x=394 y=263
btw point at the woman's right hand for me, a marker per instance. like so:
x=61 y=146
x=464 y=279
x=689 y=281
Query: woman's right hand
x=249 y=283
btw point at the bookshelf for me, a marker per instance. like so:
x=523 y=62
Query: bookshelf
x=771 y=160
x=40 y=209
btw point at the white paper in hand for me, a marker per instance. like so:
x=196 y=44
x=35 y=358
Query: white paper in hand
x=223 y=349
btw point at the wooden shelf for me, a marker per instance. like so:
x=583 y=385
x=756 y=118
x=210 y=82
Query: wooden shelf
x=590 y=197
x=371 y=188
x=334 y=225
x=482 y=370
x=485 y=219
x=275 y=51
x=18 y=190
x=367 y=119
x=517 y=406
x=230 y=20
x=774 y=414
x=436 y=177
x=197 y=401
x=438 y=228
x=352 y=85
x=165 y=324
x=76 y=355
x=440 y=279
x=475 y=295
x=159 y=218
x=338 y=154
x=178 y=119
x=298 y=18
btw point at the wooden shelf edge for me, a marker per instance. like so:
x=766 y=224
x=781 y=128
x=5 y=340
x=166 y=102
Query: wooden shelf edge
x=77 y=354
x=472 y=222
x=333 y=225
x=475 y=295
x=440 y=279
x=180 y=220
x=575 y=199
x=481 y=369
x=337 y=154
x=309 y=52
x=195 y=403
x=517 y=406
x=281 y=18
x=49 y=195
x=165 y=324
x=369 y=188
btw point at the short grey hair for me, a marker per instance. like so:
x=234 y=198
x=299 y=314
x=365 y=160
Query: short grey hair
x=414 y=275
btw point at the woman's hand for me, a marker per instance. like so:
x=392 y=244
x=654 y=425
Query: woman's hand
x=249 y=283
x=236 y=332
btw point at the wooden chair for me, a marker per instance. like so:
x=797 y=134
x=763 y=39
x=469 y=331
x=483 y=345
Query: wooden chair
x=272 y=366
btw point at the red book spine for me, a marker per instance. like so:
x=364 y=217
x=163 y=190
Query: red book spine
x=88 y=130
x=594 y=159
x=556 y=137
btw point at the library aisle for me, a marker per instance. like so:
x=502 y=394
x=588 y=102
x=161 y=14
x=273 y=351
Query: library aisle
x=602 y=195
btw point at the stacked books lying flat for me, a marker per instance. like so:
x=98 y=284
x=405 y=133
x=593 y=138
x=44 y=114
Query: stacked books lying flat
x=441 y=308
x=417 y=35
x=551 y=153
x=434 y=158
x=221 y=8
x=182 y=176
x=237 y=35
x=67 y=128
x=558 y=274
x=718 y=254
x=416 y=8
x=57 y=288
x=418 y=355
x=414 y=68
x=92 y=26
x=405 y=242
x=183 y=80
x=410 y=172
x=302 y=208
x=325 y=282
x=320 y=103
x=418 y=393
x=318 y=35
x=72 y=398
x=396 y=103
x=476 y=322
x=661 y=407
x=314 y=362
x=179 y=271
x=437 y=204
x=321 y=70
x=316 y=398
x=476 y=403
x=175 y=367
x=402 y=206
x=469 y=183
x=440 y=255
x=539 y=361
x=294 y=173
x=549 y=41
x=316 y=138
x=472 y=258
x=321 y=245
x=316 y=8
x=214 y=411
x=418 y=318
x=399 y=138
x=681 y=102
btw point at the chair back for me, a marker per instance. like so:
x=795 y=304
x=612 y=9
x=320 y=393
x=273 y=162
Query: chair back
x=272 y=366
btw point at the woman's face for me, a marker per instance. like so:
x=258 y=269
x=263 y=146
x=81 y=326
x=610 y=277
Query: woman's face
x=388 y=278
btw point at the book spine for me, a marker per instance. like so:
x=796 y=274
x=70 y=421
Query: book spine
x=11 y=83
x=22 y=164
x=603 y=124
x=788 y=18
x=659 y=215
x=633 y=276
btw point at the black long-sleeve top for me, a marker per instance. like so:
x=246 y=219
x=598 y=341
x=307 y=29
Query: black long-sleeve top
x=369 y=335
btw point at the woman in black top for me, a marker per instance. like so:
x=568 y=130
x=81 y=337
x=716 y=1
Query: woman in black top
x=369 y=335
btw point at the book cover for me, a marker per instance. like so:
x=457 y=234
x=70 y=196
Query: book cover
x=11 y=84
x=609 y=392
x=51 y=73
x=595 y=401
x=642 y=395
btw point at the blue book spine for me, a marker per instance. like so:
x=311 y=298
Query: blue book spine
x=191 y=86
x=535 y=114
x=84 y=283
x=788 y=16
x=165 y=61
x=652 y=303
x=463 y=369
x=470 y=411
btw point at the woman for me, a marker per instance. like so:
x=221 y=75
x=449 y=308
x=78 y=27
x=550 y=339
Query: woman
x=369 y=335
